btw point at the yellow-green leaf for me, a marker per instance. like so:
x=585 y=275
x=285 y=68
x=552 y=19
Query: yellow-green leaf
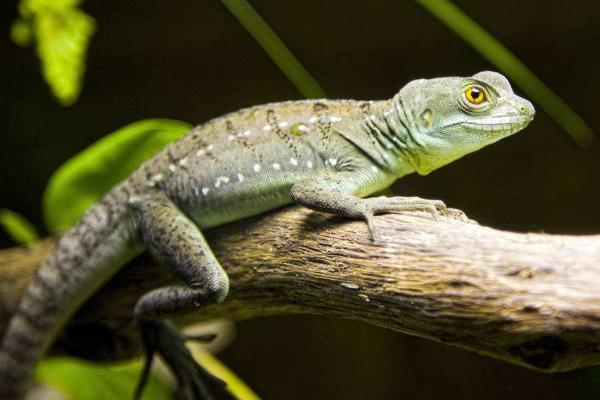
x=30 y=7
x=62 y=33
x=18 y=227
x=63 y=38
x=81 y=380
x=235 y=384
x=20 y=33
x=83 y=179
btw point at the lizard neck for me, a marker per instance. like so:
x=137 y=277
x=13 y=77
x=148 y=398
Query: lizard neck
x=388 y=126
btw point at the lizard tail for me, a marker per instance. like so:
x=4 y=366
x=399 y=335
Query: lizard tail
x=84 y=258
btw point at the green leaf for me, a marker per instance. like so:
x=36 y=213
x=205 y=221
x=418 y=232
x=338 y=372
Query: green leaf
x=63 y=38
x=83 y=179
x=236 y=385
x=28 y=8
x=62 y=33
x=18 y=227
x=80 y=380
x=20 y=33
x=275 y=48
x=489 y=47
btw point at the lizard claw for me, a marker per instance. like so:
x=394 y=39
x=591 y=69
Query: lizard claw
x=193 y=381
x=371 y=225
x=435 y=207
x=203 y=338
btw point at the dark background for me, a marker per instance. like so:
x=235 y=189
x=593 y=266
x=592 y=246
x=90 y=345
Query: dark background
x=191 y=60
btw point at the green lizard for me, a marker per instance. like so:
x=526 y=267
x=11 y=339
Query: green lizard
x=327 y=155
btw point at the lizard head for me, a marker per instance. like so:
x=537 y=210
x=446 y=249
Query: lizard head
x=447 y=118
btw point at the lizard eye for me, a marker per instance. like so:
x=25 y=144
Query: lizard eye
x=475 y=94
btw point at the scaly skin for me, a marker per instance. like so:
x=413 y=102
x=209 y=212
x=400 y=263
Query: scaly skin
x=323 y=154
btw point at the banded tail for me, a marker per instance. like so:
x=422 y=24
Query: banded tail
x=84 y=258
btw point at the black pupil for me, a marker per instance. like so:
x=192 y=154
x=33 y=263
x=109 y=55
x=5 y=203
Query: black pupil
x=475 y=93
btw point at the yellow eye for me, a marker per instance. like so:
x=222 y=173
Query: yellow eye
x=475 y=94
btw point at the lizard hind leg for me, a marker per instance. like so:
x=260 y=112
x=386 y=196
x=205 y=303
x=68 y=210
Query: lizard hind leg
x=176 y=243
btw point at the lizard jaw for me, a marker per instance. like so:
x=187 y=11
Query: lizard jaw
x=498 y=126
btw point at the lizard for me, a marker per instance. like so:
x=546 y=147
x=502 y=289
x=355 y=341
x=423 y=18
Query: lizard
x=327 y=155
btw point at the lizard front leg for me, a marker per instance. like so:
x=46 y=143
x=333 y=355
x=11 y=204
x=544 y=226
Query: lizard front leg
x=335 y=192
x=175 y=242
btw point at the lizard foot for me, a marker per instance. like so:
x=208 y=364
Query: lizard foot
x=398 y=204
x=193 y=381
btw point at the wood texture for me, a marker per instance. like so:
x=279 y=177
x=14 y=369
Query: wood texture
x=529 y=299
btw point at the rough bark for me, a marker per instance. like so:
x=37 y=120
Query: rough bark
x=529 y=299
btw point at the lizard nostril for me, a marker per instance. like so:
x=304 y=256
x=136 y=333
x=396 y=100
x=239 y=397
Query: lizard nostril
x=526 y=109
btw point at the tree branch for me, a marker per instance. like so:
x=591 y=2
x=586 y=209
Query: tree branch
x=529 y=299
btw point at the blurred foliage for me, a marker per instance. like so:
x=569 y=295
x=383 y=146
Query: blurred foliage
x=505 y=61
x=83 y=179
x=275 y=48
x=18 y=227
x=62 y=33
x=80 y=380
x=217 y=368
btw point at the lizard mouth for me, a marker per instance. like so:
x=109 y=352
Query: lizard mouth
x=498 y=126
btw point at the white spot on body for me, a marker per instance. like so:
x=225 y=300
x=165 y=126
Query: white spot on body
x=293 y=161
x=210 y=147
x=247 y=132
x=157 y=178
x=205 y=190
x=200 y=152
x=276 y=166
x=240 y=177
x=312 y=120
x=183 y=161
x=387 y=112
x=299 y=129
x=372 y=117
x=230 y=138
x=334 y=118
x=172 y=167
x=332 y=162
x=283 y=124
x=266 y=128
x=256 y=167
x=221 y=180
x=374 y=168
x=352 y=286
x=309 y=164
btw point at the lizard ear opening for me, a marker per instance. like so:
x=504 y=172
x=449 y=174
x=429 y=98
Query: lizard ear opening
x=425 y=118
x=494 y=79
